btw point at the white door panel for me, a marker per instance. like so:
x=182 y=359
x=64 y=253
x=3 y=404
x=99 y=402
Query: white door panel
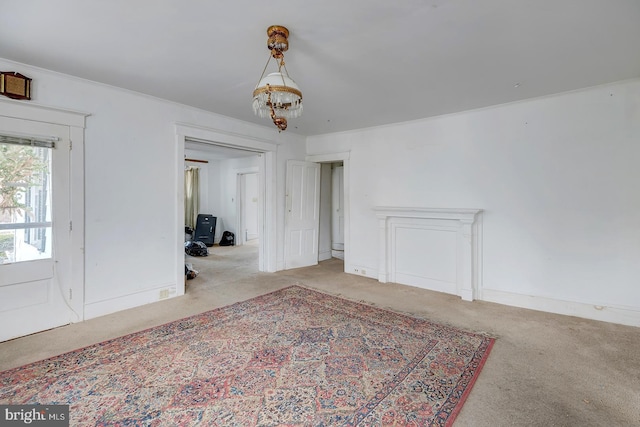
x=28 y=271
x=303 y=214
x=337 y=205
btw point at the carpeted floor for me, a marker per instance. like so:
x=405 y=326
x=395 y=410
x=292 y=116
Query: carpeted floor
x=293 y=357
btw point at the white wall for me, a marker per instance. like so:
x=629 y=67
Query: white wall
x=214 y=188
x=558 y=180
x=211 y=188
x=218 y=189
x=130 y=178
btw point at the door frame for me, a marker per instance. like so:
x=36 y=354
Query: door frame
x=344 y=158
x=240 y=204
x=76 y=122
x=266 y=151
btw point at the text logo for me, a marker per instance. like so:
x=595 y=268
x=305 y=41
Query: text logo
x=34 y=415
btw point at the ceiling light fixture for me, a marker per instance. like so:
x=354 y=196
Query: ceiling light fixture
x=277 y=95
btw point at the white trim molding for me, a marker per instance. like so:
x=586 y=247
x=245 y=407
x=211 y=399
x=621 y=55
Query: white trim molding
x=433 y=248
x=43 y=113
x=132 y=300
x=623 y=315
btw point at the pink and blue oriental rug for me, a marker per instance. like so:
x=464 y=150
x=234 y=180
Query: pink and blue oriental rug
x=294 y=357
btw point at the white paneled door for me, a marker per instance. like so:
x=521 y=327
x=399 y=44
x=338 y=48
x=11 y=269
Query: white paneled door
x=337 y=207
x=35 y=227
x=303 y=213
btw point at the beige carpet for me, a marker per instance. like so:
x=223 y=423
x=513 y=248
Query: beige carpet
x=544 y=369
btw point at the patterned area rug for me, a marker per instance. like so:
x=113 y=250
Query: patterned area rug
x=294 y=357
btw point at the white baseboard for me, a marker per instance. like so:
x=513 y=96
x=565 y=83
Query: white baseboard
x=324 y=255
x=624 y=315
x=359 y=270
x=108 y=306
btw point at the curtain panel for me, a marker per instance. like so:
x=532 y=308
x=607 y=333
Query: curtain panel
x=191 y=196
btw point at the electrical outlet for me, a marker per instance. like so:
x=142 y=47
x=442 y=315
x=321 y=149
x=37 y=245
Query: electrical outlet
x=164 y=294
x=364 y=272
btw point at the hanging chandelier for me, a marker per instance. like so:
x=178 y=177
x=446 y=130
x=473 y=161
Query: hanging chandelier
x=276 y=95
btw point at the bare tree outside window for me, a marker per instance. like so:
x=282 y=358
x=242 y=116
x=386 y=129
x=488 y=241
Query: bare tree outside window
x=25 y=214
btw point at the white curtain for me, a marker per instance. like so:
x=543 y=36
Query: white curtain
x=191 y=196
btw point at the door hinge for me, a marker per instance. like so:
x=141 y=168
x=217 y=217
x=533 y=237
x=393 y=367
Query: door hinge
x=70 y=145
x=70 y=225
x=70 y=294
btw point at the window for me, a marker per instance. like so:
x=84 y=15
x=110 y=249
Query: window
x=25 y=200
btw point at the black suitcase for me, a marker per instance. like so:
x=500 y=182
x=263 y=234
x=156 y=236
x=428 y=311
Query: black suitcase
x=205 y=229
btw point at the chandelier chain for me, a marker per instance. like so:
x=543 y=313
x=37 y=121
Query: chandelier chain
x=264 y=69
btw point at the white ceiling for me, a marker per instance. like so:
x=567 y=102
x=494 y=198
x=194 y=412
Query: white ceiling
x=359 y=63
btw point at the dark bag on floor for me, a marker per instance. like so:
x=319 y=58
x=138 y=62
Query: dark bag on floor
x=196 y=248
x=228 y=239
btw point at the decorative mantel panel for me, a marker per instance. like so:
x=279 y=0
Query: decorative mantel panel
x=431 y=248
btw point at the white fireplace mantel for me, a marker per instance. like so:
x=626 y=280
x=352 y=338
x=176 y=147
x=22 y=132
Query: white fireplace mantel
x=432 y=248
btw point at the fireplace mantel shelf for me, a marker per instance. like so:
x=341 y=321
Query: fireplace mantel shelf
x=433 y=213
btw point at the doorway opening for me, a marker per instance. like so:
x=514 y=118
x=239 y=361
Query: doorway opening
x=227 y=198
x=334 y=237
x=229 y=156
x=331 y=238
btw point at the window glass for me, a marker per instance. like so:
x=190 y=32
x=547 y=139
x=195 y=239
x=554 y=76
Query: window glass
x=25 y=203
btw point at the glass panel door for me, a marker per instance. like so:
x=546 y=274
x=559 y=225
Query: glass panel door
x=35 y=235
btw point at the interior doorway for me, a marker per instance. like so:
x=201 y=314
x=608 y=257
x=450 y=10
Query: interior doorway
x=227 y=191
x=334 y=237
x=251 y=155
x=337 y=210
x=331 y=231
